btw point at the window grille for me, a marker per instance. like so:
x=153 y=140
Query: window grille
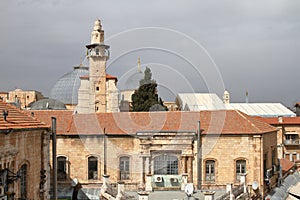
x=166 y=164
x=124 y=168
x=210 y=170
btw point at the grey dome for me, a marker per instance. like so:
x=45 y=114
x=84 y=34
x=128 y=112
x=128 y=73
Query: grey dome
x=48 y=104
x=66 y=88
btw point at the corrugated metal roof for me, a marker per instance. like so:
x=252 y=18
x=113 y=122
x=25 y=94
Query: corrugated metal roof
x=262 y=109
x=210 y=101
x=200 y=101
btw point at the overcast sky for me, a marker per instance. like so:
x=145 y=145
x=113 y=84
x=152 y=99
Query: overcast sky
x=191 y=46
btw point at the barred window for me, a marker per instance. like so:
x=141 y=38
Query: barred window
x=23 y=181
x=166 y=164
x=240 y=168
x=92 y=168
x=124 y=168
x=210 y=170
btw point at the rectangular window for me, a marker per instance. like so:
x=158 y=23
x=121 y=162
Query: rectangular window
x=166 y=164
x=240 y=168
x=92 y=168
x=61 y=168
x=23 y=181
x=210 y=170
x=124 y=168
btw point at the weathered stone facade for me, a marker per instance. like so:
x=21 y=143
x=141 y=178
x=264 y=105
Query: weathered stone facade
x=24 y=144
x=24 y=98
x=288 y=143
x=142 y=142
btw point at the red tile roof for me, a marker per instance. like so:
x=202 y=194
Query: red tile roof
x=286 y=165
x=212 y=122
x=285 y=120
x=18 y=119
x=108 y=76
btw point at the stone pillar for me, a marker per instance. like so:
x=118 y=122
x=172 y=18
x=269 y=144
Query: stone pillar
x=147 y=166
x=121 y=190
x=143 y=195
x=143 y=171
x=148 y=183
x=209 y=195
x=190 y=169
x=183 y=160
x=184 y=181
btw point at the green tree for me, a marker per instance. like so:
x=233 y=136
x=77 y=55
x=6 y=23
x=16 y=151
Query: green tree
x=145 y=98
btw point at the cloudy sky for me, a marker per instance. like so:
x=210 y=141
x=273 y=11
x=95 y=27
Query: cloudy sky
x=191 y=46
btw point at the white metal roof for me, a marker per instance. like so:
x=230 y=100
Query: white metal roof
x=210 y=101
x=199 y=101
x=262 y=109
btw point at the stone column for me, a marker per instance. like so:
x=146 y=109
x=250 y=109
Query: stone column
x=183 y=160
x=148 y=166
x=148 y=183
x=190 y=169
x=209 y=195
x=142 y=171
x=121 y=190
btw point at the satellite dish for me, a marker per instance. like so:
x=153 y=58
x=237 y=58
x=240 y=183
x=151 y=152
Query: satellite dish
x=74 y=182
x=189 y=189
x=254 y=185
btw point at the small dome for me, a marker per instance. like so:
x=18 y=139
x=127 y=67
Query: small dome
x=48 y=104
x=66 y=88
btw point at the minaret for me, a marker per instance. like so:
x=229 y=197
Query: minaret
x=226 y=97
x=97 y=54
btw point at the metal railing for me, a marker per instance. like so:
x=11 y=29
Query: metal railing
x=291 y=142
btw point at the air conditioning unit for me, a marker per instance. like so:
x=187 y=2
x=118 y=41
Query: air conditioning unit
x=158 y=179
x=174 y=180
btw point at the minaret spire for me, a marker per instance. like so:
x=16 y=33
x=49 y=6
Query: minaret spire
x=139 y=65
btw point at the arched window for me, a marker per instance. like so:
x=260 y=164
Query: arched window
x=61 y=168
x=240 y=168
x=97 y=52
x=166 y=164
x=92 y=168
x=124 y=168
x=210 y=170
x=23 y=181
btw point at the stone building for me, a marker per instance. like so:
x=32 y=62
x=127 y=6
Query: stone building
x=97 y=91
x=288 y=137
x=4 y=96
x=158 y=150
x=24 y=155
x=24 y=98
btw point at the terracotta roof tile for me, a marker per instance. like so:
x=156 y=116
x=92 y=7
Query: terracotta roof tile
x=18 y=119
x=286 y=165
x=285 y=120
x=212 y=122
